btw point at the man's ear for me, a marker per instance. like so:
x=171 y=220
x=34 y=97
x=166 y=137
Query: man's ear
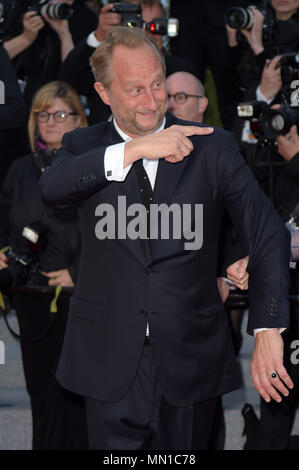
x=203 y=104
x=102 y=92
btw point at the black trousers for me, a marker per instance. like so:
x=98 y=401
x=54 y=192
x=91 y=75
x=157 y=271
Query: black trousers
x=144 y=420
x=58 y=416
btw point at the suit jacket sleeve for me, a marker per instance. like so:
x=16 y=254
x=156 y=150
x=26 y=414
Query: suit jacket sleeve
x=263 y=234
x=72 y=178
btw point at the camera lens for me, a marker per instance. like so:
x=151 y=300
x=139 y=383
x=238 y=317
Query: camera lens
x=57 y=11
x=278 y=123
x=239 y=18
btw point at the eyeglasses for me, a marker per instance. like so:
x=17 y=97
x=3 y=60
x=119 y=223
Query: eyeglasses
x=181 y=97
x=59 y=116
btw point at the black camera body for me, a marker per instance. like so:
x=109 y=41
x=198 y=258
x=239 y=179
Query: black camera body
x=289 y=64
x=130 y=14
x=22 y=267
x=242 y=18
x=12 y=11
x=267 y=123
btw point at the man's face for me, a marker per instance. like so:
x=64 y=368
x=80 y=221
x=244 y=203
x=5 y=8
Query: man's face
x=191 y=109
x=137 y=95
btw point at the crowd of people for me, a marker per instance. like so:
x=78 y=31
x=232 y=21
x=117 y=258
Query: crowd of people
x=126 y=364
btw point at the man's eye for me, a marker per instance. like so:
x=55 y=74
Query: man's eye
x=157 y=85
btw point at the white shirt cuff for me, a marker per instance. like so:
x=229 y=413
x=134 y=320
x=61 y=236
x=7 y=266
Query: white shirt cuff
x=257 y=330
x=261 y=97
x=114 y=162
x=92 y=40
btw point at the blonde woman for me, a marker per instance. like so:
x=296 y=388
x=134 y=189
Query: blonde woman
x=58 y=417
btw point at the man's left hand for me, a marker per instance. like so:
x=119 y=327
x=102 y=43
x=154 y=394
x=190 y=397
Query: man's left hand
x=268 y=372
x=237 y=273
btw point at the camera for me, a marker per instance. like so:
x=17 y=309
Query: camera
x=163 y=26
x=131 y=16
x=21 y=268
x=239 y=18
x=266 y=122
x=289 y=64
x=11 y=11
x=55 y=11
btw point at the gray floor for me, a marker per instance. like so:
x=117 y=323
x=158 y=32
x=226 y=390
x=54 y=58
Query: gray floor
x=15 y=416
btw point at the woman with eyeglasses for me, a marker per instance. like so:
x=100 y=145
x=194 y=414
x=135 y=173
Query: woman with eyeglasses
x=58 y=417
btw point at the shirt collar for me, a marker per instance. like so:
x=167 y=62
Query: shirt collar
x=126 y=137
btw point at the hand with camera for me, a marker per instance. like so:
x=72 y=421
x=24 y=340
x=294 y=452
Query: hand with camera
x=288 y=144
x=32 y=24
x=254 y=36
x=61 y=27
x=271 y=82
x=231 y=36
x=107 y=20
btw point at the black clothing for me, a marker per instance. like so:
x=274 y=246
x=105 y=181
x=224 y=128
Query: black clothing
x=20 y=204
x=76 y=71
x=148 y=421
x=167 y=288
x=158 y=282
x=202 y=39
x=13 y=115
x=39 y=64
x=58 y=416
x=284 y=38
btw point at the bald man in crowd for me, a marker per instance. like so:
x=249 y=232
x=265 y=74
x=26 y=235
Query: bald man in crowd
x=186 y=96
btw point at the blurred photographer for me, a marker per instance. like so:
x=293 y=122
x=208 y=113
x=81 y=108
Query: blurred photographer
x=273 y=430
x=44 y=43
x=270 y=32
x=275 y=163
x=202 y=40
x=58 y=417
x=76 y=69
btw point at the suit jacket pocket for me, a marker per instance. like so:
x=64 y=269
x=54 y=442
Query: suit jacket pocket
x=209 y=311
x=86 y=309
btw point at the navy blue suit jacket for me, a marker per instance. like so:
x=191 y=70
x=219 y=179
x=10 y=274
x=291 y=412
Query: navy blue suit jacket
x=125 y=284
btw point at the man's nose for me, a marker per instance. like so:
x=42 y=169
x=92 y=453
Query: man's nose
x=150 y=101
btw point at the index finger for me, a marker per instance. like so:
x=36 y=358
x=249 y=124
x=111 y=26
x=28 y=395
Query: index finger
x=106 y=8
x=53 y=273
x=196 y=130
x=275 y=61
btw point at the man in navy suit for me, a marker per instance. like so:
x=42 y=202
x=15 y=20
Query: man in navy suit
x=147 y=342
